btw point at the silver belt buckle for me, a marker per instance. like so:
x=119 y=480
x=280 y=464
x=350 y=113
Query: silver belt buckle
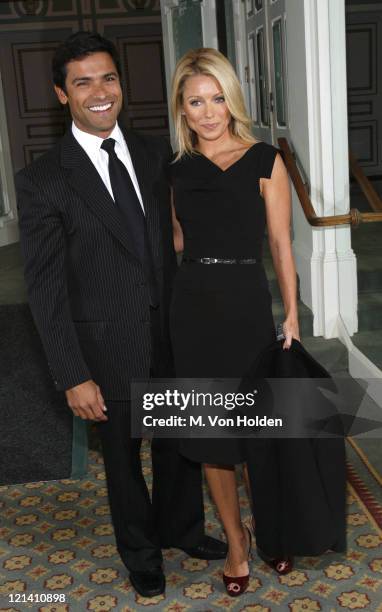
x=208 y=260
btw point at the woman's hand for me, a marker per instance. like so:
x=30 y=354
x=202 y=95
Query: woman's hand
x=291 y=330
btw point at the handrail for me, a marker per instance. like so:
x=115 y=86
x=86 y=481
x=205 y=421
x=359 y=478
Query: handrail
x=354 y=217
x=365 y=184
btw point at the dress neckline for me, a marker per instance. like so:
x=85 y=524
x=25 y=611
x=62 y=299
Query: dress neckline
x=234 y=163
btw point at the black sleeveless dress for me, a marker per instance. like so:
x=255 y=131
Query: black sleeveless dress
x=220 y=315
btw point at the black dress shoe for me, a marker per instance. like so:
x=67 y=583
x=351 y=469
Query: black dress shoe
x=209 y=549
x=148 y=584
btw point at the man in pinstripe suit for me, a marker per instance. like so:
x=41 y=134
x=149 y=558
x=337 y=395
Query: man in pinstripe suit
x=92 y=300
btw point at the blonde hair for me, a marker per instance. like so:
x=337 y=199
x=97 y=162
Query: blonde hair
x=212 y=63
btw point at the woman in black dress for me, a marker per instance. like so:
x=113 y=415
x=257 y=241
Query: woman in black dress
x=226 y=188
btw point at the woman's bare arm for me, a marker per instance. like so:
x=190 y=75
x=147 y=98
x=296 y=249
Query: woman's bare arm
x=177 y=230
x=276 y=193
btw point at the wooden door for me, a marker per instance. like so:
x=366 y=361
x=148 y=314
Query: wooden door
x=29 y=34
x=364 y=81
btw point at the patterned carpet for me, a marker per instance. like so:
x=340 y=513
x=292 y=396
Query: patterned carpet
x=57 y=546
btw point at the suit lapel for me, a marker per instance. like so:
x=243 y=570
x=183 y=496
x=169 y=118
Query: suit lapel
x=85 y=179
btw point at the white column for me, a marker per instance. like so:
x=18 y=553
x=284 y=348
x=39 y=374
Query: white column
x=347 y=263
x=332 y=264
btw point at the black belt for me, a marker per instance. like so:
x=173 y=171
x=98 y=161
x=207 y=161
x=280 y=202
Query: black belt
x=216 y=260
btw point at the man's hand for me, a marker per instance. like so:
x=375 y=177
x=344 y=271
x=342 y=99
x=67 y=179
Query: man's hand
x=86 y=401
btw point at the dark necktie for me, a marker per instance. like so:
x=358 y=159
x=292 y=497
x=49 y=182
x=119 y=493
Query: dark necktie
x=128 y=204
x=125 y=197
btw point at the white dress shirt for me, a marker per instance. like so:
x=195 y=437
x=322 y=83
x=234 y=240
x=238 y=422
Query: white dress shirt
x=100 y=158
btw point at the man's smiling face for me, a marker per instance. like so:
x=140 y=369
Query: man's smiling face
x=93 y=92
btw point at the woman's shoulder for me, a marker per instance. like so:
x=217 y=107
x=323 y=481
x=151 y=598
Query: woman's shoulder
x=266 y=148
x=267 y=155
x=259 y=149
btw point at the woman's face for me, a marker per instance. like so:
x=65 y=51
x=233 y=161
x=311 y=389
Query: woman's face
x=204 y=107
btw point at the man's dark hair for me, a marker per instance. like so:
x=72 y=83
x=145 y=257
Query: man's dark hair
x=76 y=47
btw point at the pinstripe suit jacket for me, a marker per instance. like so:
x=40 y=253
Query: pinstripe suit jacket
x=86 y=288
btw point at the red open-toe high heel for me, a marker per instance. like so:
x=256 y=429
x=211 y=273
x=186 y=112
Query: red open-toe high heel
x=236 y=585
x=281 y=566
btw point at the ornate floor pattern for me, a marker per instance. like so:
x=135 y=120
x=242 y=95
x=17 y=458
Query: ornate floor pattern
x=56 y=542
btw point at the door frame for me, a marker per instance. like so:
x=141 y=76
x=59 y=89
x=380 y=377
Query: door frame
x=9 y=232
x=210 y=39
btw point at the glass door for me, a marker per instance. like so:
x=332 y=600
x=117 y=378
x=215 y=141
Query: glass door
x=266 y=67
x=276 y=21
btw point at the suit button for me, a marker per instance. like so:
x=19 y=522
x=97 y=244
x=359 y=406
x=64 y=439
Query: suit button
x=142 y=284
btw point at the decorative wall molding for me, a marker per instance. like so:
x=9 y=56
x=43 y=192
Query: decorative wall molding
x=36 y=11
x=366 y=35
x=361 y=8
x=367 y=132
x=152 y=47
x=31 y=7
x=45 y=130
x=24 y=57
x=363 y=33
x=356 y=109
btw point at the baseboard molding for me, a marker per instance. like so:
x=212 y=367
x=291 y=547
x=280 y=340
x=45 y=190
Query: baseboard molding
x=348 y=289
x=325 y=291
x=9 y=233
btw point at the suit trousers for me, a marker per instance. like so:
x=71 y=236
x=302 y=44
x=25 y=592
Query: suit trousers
x=175 y=515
